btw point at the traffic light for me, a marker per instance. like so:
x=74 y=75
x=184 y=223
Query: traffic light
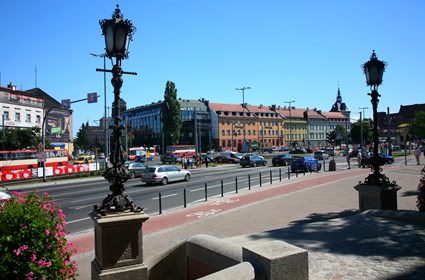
x=305 y=115
x=330 y=137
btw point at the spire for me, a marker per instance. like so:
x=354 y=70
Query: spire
x=338 y=97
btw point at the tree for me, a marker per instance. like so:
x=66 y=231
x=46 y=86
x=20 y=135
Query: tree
x=26 y=138
x=356 y=134
x=171 y=115
x=340 y=134
x=417 y=125
x=82 y=141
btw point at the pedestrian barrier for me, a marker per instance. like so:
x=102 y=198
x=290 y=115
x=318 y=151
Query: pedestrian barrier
x=236 y=182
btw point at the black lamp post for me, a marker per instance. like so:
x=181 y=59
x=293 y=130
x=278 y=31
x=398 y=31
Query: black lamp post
x=118 y=33
x=374 y=70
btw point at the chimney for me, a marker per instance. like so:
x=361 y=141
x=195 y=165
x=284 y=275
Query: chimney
x=11 y=86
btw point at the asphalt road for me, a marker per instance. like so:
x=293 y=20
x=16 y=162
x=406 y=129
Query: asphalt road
x=77 y=197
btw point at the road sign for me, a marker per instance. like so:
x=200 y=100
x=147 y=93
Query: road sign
x=339 y=136
x=92 y=97
x=41 y=156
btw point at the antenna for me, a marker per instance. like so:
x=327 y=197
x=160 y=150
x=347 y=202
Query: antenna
x=35 y=75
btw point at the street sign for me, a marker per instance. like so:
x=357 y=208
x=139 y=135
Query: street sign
x=66 y=103
x=339 y=136
x=41 y=156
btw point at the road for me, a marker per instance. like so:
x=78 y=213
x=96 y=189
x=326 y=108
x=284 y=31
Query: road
x=77 y=197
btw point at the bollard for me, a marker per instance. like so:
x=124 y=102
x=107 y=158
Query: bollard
x=249 y=181
x=296 y=173
x=324 y=166
x=206 y=193
x=260 y=179
x=222 y=189
x=289 y=174
x=304 y=171
x=271 y=177
x=160 y=203
x=236 y=184
x=280 y=175
x=184 y=197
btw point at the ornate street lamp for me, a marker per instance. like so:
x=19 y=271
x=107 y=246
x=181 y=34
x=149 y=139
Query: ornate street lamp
x=118 y=33
x=374 y=70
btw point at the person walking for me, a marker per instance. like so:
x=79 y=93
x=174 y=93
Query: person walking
x=359 y=159
x=347 y=156
x=417 y=155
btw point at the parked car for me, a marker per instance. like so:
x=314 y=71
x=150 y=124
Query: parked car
x=135 y=169
x=140 y=158
x=226 y=159
x=282 y=159
x=162 y=174
x=305 y=163
x=297 y=151
x=101 y=155
x=330 y=152
x=253 y=161
x=320 y=155
x=169 y=158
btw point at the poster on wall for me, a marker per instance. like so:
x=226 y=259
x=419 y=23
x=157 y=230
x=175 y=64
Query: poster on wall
x=58 y=126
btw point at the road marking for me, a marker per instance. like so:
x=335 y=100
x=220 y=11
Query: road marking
x=227 y=201
x=165 y=196
x=79 y=220
x=203 y=214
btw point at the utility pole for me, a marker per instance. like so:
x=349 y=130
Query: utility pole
x=290 y=122
x=361 y=127
x=243 y=115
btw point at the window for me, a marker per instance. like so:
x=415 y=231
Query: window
x=38 y=119
x=6 y=115
x=17 y=117
x=28 y=118
x=223 y=133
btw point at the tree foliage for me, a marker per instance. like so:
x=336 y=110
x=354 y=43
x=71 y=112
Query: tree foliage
x=417 y=125
x=171 y=115
x=15 y=139
x=356 y=132
x=82 y=141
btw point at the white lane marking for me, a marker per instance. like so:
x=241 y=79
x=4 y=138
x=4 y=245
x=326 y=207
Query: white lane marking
x=203 y=214
x=165 y=196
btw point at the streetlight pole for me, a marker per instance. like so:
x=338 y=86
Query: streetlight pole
x=361 y=127
x=118 y=33
x=104 y=96
x=243 y=115
x=290 y=122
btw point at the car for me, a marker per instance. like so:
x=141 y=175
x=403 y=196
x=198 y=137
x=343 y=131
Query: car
x=388 y=159
x=305 y=164
x=163 y=174
x=330 y=152
x=297 y=151
x=140 y=158
x=84 y=159
x=226 y=159
x=135 y=169
x=169 y=158
x=320 y=155
x=282 y=159
x=252 y=160
x=101 y=155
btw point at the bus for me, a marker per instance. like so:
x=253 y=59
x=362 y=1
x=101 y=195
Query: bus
x=135 y=152
x=27 y=159
x=181 y=150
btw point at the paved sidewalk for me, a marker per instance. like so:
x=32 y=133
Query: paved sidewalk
x=318 y=212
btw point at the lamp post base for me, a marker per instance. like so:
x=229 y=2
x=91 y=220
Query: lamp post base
x=118 y=246
x=383 y=197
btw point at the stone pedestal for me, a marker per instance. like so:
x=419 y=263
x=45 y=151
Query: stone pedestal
x=383 y=197
x=118 y=246
x=332 y=165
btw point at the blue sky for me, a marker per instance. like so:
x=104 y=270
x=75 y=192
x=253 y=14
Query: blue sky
x=283 y=50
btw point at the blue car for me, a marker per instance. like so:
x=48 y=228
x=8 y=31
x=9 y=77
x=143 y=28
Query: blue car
x=305 y=163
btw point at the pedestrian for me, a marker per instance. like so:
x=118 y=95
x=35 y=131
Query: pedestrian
x=417 y=155
x=359 y=158
x=347 y=156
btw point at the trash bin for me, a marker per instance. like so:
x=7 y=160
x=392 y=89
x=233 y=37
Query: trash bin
x=332 y=165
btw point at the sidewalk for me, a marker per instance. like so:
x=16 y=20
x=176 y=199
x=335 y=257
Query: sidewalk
x=316 y=212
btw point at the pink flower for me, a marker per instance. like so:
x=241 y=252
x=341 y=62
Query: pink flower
x=24 y=247
x=17 y=252
x=33 y=258
x=47 y=231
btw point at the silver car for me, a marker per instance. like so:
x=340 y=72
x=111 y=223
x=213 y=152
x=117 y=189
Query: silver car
x=135 y=169
x=163 y=174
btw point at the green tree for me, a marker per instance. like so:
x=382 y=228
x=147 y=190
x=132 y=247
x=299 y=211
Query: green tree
x=171 y=115
x=417 y=125
x=82 y=141
x=356 y=134
x=27 y=138
x=340 y=132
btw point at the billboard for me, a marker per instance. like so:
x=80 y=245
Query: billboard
x=58 y=126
